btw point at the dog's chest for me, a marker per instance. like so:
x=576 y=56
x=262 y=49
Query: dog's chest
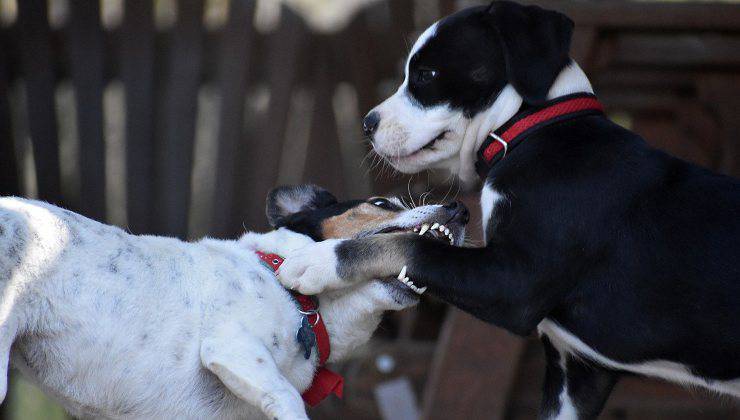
x=490 y=199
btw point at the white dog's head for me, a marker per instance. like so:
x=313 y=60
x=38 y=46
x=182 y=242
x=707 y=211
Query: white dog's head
x=466 y=75
x=316 y=213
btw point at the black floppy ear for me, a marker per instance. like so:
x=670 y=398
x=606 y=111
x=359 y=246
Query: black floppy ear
x=290 y=199
x=536 y=43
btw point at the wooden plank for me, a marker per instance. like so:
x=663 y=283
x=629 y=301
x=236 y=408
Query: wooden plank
x=236 y=44
x=86 y=67
x=324 y=155
x=583 y=46
x=678 y=51
x=9 y=179
x=625 y=15
x=137 y=74
x=36 y=57
x=285 y=60
x=473 y=370
x=177 y=116
x=722 y=94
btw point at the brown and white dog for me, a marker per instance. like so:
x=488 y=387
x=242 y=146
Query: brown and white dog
x=114 y=325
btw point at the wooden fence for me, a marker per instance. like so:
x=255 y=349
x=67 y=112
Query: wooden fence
x=181 y=130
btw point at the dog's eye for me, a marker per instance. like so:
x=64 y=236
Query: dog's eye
x=382 y=203
x=425 y=75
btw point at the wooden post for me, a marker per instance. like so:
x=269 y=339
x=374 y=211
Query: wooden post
x=137 y=74
x=86 y=64
x=177 y=117
x=473 y=370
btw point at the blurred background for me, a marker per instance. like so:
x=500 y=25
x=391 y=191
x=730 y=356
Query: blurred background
x=176 y=117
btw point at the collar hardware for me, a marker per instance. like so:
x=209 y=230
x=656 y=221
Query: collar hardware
x=311 y=334
x=500 y=141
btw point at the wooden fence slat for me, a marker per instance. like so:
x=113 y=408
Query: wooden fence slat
x=236 y=44
x=324 y=155
x=9 y=180
x=626 y=15
x=39 y=79
x=137 y=74
x=177 y=116
x=285 y=55
x=473 y=371
x=86 y=68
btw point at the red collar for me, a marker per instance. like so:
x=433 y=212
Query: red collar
x=325 y=382
x=500 y=142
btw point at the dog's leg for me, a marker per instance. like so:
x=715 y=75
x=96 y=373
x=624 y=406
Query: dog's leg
x=497 y=284
x=248 y=369
x=573 y=388
x=8 y=330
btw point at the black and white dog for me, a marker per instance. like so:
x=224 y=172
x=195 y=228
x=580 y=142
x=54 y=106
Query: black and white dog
x=623 y=258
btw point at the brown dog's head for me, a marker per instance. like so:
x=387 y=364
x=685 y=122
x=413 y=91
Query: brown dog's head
x=315 y=212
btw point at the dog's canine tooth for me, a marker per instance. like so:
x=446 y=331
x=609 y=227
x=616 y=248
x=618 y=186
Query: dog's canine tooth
x=424 y=229
x=435 y=226
x=402 y=275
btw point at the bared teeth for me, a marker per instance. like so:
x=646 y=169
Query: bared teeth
x=442 y=228
x=424 y=229
x=402 y=275
x=435 y=226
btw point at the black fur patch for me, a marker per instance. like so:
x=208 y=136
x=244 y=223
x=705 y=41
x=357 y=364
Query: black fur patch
x=474 y=53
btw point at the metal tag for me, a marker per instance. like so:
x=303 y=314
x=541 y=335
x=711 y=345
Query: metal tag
x=306 y=337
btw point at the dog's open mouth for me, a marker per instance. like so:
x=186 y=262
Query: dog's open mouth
x=428 y=146
x=451 y=232
x=433 y=230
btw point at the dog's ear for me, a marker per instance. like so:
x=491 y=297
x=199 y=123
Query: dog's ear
x=290 y=199
x=535 y=42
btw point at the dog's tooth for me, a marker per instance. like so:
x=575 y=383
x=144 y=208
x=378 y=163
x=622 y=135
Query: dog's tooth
x=442 y=228
x=435 y=226
x=447 y=231
x=416 y=229
x=402 y=275
x=424 y=229
x=422 y=290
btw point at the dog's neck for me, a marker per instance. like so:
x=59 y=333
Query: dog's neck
x=571 y=79
x=351 y=315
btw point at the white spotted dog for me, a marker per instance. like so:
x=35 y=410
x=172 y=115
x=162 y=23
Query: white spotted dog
x=623 y=258
x=114 y=325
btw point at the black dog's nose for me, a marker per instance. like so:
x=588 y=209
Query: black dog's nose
x=458 y=212
x=370 y=123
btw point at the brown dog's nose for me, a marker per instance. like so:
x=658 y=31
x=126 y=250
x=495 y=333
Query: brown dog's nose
x=370 y=123
x=458 y=212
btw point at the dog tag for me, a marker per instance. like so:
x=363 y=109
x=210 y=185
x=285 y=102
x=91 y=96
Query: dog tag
x=306 y=337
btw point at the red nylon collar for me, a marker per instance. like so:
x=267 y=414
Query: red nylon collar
x=500 y=142
x=325 y=382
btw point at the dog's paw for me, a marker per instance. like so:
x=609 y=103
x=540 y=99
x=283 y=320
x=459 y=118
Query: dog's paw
x=312 y=269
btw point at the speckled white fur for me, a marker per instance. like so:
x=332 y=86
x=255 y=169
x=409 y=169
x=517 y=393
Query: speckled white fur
x=120 y=326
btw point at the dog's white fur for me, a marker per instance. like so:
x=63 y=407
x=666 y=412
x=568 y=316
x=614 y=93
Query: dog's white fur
x=120 y=326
